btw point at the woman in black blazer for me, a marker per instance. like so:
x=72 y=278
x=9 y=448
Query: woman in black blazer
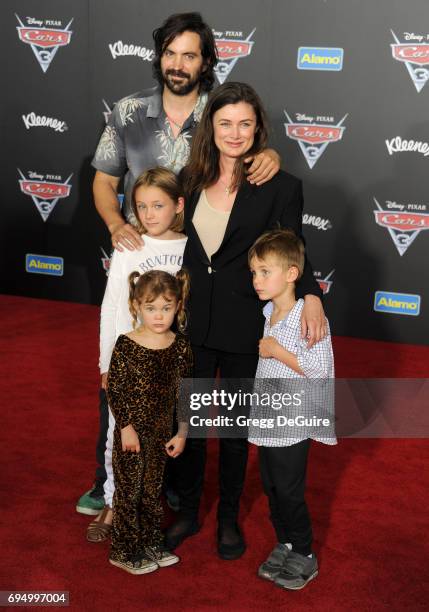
x=225 y=315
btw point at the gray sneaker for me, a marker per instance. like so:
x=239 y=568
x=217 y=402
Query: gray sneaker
x=297 y=571
x=274 y=564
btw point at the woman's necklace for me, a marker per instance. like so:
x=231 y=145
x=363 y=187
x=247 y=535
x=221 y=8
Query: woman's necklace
x=227 y=188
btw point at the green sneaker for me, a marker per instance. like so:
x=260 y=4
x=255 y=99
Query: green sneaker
x=90 y=504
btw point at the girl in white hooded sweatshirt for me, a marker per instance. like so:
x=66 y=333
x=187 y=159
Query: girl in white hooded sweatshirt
x=157 y=204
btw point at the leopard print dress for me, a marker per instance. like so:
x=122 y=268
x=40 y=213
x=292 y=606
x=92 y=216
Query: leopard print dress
x=142 y=390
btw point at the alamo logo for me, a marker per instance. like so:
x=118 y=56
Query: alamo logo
x=231 y=46
x=320 y=58
x=33 y=120
x=44 y=264
x=404 y=222
x=397 y=303
x=313 y=134
x=414 y=53
x=324 y=283
x=44 y=39
x=45 y=191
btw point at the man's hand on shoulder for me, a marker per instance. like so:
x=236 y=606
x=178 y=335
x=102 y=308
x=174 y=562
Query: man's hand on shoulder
x=264 y=166
x=125 y=236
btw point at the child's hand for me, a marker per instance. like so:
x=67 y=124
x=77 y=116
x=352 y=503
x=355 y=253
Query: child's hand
x=268 y=347
x=104 y=381
x=175 y=446
x=130 y=440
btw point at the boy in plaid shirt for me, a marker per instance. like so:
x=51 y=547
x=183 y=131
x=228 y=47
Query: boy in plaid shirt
x=276 y=262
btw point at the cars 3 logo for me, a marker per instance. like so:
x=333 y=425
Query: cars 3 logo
x=313 y=136
x=231 y=47
x=324 y=283
x=105 y=261
x=44 y=41
x=45 y=191
x=403 y=225
x=414 y=53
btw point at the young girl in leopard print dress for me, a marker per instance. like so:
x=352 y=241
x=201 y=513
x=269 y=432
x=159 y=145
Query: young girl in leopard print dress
x=142 y=386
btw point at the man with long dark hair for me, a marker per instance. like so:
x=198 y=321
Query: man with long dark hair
x=144 y=132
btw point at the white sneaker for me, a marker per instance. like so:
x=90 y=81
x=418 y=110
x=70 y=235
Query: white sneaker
x=143 y=566
x=162 y=556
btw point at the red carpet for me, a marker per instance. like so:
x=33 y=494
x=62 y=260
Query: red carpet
x=368 y=498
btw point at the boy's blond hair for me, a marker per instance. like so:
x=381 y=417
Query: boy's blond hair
x=283 y=244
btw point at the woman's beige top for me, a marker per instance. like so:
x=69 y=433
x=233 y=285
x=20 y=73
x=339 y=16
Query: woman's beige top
x=210 y=224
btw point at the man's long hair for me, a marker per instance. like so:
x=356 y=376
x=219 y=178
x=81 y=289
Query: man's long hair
x=177 y=24
x=202 y=169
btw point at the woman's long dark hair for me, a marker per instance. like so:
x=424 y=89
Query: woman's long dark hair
x=202 y=169
x=177 y=24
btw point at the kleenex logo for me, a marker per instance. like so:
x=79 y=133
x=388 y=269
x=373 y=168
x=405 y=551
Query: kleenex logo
x=44 y=264
x=397 y=303
x=320 y=58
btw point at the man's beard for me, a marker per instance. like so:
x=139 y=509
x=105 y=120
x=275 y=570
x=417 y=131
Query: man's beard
x=183 y=88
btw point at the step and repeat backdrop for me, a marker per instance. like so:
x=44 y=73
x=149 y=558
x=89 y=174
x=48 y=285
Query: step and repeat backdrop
x=345 y=83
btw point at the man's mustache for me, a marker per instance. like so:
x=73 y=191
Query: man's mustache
x=177 y=73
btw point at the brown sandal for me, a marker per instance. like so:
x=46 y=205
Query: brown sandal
x=99 y=531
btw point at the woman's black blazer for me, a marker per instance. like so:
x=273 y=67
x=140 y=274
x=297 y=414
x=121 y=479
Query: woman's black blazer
x=224 y=311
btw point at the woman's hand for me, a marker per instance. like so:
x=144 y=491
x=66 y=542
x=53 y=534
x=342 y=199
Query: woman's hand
x=313 y=321
x=125 y=235
x=264 y=166
x=104 y=381
x=175 y=446
x=130 y=440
